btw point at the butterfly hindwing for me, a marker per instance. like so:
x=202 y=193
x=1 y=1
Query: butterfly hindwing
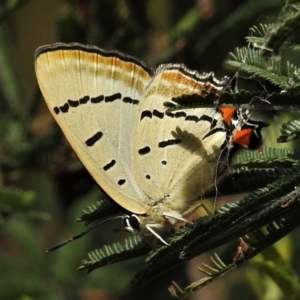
x=176 y=154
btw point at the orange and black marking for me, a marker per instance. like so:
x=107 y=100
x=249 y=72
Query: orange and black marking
x=242 y=130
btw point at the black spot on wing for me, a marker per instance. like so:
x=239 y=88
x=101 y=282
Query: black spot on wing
x=164 y=162
x=84 y=100
x=168 y=143
x=148 y=176
x=97 y=99
x=73 y=103
x=113 y=97
x=146 y=114
x=109 y=165
x=93 y=139
x=207 y=118
x=170 y=114
x=158 y=114
x=144 y=150
x=192 y=118
x=56 y=110
x=180 y=114
x=130 y=100
x=121 y=181
x=64 y=108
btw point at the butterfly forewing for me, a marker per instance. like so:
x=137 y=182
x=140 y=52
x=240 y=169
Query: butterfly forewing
x=94 y=96
x=175 y=155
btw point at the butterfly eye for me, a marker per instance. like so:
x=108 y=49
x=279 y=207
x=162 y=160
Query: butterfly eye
x=133 y=222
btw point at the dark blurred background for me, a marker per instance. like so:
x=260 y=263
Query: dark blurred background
x=45 y=188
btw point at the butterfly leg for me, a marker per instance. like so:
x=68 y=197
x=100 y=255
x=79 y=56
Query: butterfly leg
x=149 y=227
x=175 y=216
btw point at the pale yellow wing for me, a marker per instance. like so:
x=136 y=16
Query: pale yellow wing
x=94 y=95
x=177 y=156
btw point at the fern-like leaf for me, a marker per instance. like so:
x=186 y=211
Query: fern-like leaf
x=254 y=211
x=290 y=131
x=280 y=32
x=102 y=209
x=251 y=61
x=132 y=248
x=247 y=250
x=266 y=158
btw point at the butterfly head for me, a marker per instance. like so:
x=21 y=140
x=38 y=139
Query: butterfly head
x=150 y=225
x=132 y=223
x=153 y=223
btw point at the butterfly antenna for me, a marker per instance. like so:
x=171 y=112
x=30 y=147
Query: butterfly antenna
x=87 y=230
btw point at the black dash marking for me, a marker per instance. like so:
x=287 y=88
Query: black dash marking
x=208 y=119
x=146 y=114
x=93 y=139
x=56 y=110
x=127 y=100
x=121 y=181
x=169 y=114
x=109 y=165
x=73 y=103
x=180 y=114
x=213 y=131
x=167 y=143
x=148 y=176
x=97 y=99
x=144 y=150
x=213 y=123
x=113 y=97
x=158 y=114
x=130 y=100
x=192 y=118
x=84 y=100
x=64 y=108
x=164 y=162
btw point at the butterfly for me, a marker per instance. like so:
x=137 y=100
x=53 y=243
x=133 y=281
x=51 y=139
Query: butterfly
x=154 y=163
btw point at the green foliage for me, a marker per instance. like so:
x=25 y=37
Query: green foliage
x=40 y=176
x=251 y=61
x=289 y=131
x=97 y=211
x=12 y=199
x=116 y=252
